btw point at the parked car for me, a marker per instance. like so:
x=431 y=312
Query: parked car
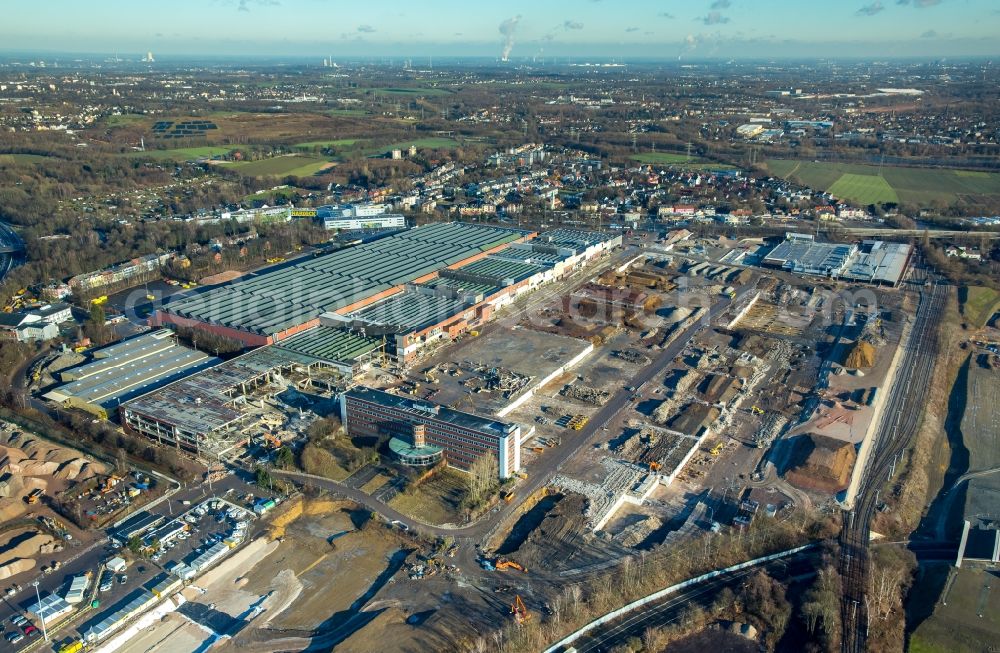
x=14 y=637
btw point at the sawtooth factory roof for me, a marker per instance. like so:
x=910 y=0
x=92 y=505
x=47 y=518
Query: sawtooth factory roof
x=273 y=300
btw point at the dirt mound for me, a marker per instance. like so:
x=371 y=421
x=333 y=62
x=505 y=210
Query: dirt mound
x=15 y=567
x=10 y=456
x=25 y=544
x=862 y=355
x=38 y=468
x=23 y=454
x=90 y=470
x=70 y=470
x=821 y=463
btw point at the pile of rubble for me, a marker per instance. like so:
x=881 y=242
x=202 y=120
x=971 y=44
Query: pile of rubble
x=669 y=406
x=501 y=380
x=632 y=356
x=639 y=532
x=586 y=394
x=772 y=426
x=602 y=497
x=760 y=370
x=874 y=333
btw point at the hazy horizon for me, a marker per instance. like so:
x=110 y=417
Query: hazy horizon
x=672 y=30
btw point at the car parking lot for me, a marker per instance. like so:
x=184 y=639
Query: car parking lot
x=211 y=521
x=18 y=594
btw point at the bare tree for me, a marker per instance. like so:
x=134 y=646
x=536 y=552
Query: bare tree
x=482 y=477
x=575 y=594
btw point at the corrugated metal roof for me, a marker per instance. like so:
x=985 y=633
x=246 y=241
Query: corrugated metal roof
x=273 y=300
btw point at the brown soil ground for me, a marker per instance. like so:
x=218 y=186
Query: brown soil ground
x=334 y=562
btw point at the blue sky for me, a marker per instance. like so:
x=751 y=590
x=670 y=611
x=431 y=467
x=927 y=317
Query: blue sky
x=669 y=29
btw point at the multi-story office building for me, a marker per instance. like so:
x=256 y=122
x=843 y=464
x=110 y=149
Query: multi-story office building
x=421 y=433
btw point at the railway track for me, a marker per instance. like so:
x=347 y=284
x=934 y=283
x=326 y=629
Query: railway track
x=900 y=421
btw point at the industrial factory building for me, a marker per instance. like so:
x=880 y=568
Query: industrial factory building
x=126 y=370
x=322 y=322
x=273 y=305
x=800 y=253
x=461 y=299
x=208 y=412
x=874 y=261
x=421 y=433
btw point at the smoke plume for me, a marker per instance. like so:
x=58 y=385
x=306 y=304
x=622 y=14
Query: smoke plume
x=507 y=29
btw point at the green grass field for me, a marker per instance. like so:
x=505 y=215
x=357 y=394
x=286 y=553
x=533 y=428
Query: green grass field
x=979 y=304
x=342 y=142
x=127 y=119
x=864 y=189
x=184 y=153
x=280 y=166
x=23 y=159
x=432 y=143
x=862 y=184
x=665 y=158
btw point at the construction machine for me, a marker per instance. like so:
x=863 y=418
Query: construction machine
x=272 y=440
x=510 y=564
x=756 y=410
x=519 y=610
x=717 y=449
x=110 y=483
x=655 y=466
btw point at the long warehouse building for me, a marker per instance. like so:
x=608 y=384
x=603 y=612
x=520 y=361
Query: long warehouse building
x=126 y=370
x=277 y=303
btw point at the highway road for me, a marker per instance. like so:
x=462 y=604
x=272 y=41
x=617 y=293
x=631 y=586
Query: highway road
x=899 y=423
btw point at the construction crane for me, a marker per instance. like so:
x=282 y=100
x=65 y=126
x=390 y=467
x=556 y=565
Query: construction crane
x=519 y=610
